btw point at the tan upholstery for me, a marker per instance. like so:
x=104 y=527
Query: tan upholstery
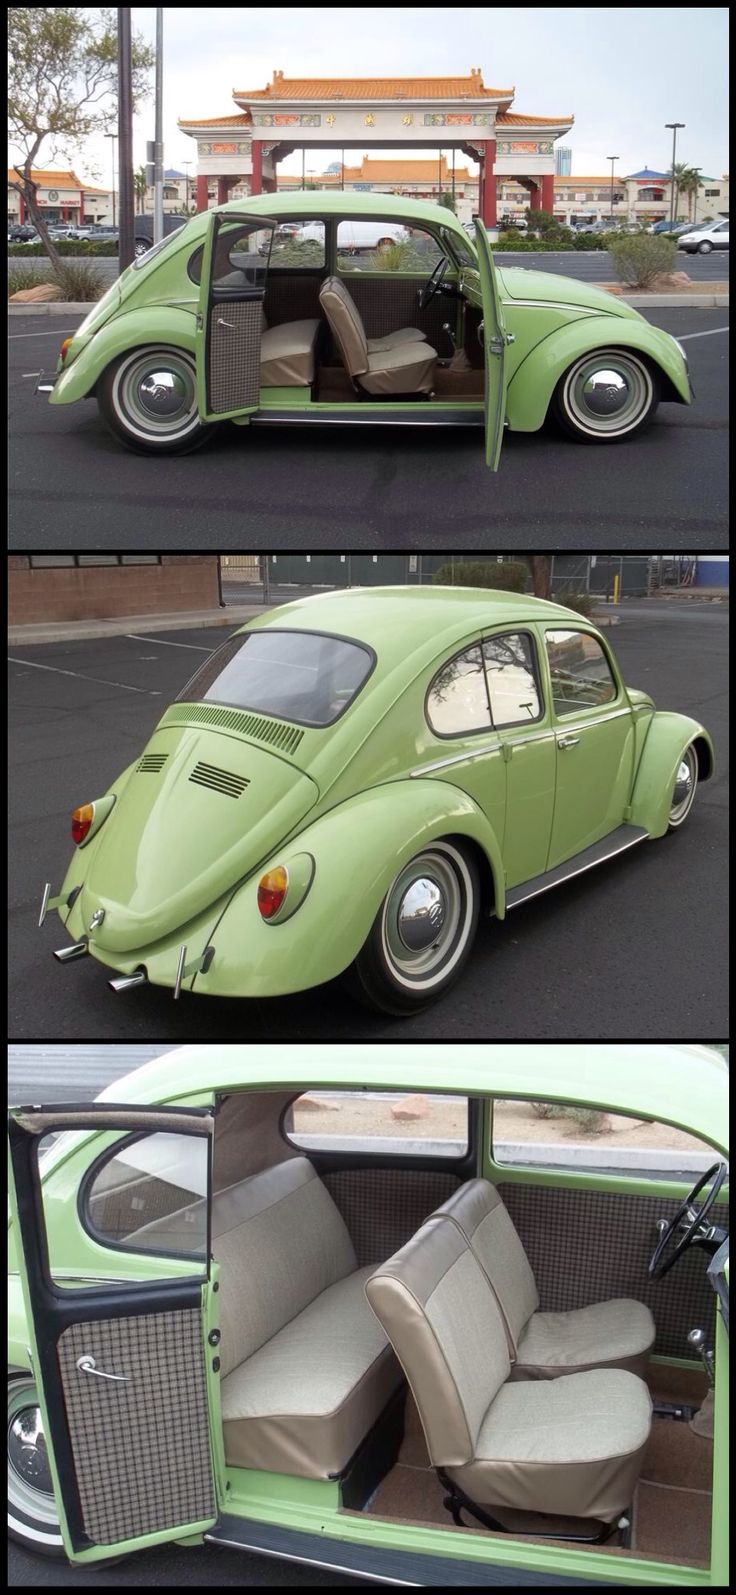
x=406 y=368
x=610 y=1334
x=306 y=1370
x=572 y=1447
x=373 y=345
x=288 y=354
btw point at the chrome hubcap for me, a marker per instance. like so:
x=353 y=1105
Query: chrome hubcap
x=421 y=915
x=684 y=788
x=424 y=917
x=162 y=393
x=607 y=393
x=30 y=1489
x=157 y=395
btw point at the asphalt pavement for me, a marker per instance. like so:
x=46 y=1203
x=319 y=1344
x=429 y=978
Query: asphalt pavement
x=195 y=1567
x=636 y=949
x=73 y=486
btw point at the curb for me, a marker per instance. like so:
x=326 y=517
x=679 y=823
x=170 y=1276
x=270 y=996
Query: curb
x=661 y=301
x=122 y=625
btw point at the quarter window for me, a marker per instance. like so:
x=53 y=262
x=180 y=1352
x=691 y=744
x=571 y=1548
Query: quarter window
x=512 y=683
x=457 y=701
x=364 y=245
x=379 y=1121
x=298 y=246
x=150 y=1195
x=580 y=672
x=567 y=1135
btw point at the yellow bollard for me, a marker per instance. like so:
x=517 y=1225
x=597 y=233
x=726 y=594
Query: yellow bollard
x=616 y=586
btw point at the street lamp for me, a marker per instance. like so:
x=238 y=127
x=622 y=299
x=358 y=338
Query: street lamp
x=113 y=136
x=186 y=165
x=674 y=126
x=612 y=158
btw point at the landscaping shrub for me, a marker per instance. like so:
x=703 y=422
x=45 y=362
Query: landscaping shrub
x=573 y=598
x=78 y=281
x=22 y=277
x=65 y=246
x=639 y=257
x=590 y=1121
x=509 y=575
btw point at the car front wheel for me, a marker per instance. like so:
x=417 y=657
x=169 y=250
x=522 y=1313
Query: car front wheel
x=606 y=395
x=704 y=248
x=684 y=788
x=422 y=933
x=33 y=1519
x=148 y=399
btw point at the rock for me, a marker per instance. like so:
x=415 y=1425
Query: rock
x=30 y=296
x=411 y=1108
x=314 y=1105
x=667 y=280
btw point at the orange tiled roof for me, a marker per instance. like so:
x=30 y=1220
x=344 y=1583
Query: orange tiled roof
x=55 y=180
x=243 y=120
x=510 y=119
x=444 y=88
x=576 y=181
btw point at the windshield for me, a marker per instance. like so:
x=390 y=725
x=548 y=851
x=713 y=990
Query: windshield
x=303 y=676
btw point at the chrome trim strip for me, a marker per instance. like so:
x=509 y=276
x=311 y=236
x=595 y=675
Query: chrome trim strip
x=552 y=304
x=580 y=869
x=534 y=736
x=307 y=1561
x=601 y=719
x=475 y=417
x=455 y=758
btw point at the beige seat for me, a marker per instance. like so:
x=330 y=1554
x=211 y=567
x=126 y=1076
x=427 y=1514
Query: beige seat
x=288 y=354
x=609 y=1334
x=402 y=367
x=306 y=1368
x=391 y=340
x=573 y=1447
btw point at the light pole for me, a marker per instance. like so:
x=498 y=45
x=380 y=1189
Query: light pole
x=674 y=126
x=113 y=136
x=612 y=158
x=186 y=165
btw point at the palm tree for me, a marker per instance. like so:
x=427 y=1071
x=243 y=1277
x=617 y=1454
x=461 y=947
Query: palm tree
x=689 y=185
x=140 y=185
x=681 y=175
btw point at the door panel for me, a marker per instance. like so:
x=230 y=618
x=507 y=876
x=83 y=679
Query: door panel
x=234 y=274
x=595 y=764
x=495 y=339
x=530 y=802
x=589 y=1246
x=234 y=356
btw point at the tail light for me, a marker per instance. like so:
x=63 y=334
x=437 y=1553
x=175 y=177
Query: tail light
x=81 y=820
x=65 y=347
x=272 y=889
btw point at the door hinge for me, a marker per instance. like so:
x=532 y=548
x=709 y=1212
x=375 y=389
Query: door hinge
x=498 y=343
x=507 y=752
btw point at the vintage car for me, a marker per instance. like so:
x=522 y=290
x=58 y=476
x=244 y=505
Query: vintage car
x=422 y=330
x=447 y=1351
x=353 y=778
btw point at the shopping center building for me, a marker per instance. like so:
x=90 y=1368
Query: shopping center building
x=62 y=197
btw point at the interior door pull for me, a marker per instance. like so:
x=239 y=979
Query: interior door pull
x=221 y=323
x=86 y=1364
x=567 y=742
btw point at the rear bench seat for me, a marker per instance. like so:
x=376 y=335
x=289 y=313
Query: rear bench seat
x=288 y=354
x=307 y=1368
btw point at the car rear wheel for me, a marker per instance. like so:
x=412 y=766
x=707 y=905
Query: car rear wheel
x=148 y=399
x=422 y=933
x=606 y=395
x=33 y=1519
x=683 y=791
x=705 y=248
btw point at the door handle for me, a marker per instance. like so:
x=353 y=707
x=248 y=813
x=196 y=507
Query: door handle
x=567 y=742
x=221 y=323
x=86 y=1364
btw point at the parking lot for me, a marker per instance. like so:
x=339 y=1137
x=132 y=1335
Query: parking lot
x=72 y=485
x=638 y=948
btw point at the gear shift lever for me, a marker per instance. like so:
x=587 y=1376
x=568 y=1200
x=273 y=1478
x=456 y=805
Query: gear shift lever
x=448 y=329
x=696 y=1339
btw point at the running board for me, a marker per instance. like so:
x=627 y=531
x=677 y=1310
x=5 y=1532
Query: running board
x=366 y=415
x=618 y=841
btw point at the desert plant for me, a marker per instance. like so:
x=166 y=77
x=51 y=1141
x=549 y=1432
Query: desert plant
x=22 y=277
x=393 y=257
x=640 y=257
x=590 y=1121
x=78 y=280
x=65 y=246
x=573 y=598
x=507 y=575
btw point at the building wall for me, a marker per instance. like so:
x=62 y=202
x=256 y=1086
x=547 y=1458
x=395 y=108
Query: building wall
x=73 y=591
x=712 y=571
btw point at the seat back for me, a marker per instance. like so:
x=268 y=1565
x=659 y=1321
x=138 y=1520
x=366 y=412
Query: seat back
x=439 y=1312
x=280 y=1241
x=479 y=1213
x=346 y=325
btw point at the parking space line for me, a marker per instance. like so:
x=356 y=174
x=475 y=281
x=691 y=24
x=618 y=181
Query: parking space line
x=711 y=332
x=133 y=636
x=53 y=332
x=104 y=681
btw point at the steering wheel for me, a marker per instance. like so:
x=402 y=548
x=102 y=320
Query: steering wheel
x=688 y=1219
x=433 y=284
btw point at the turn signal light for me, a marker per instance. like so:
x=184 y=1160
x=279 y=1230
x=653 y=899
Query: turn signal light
x=272 y=889
x=81 y=820
x=65 y=347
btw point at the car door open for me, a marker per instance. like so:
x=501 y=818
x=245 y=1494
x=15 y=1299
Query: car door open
x=124 y=1376
x=495 y=339
x=230 y=319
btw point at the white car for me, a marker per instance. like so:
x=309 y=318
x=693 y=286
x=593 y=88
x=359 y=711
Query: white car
x=353 y=234
x=704 y=239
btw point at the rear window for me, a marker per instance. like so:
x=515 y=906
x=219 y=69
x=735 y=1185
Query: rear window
x=303 y=676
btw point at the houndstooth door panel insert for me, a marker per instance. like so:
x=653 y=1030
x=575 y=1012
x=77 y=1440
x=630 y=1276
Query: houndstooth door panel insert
x=234 y=355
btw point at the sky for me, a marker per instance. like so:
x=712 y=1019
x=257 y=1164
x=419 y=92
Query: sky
x=623 y=72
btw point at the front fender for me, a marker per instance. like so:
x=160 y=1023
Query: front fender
x=667 y=738
x=155 y=324
x=534 y=381
x=357 y=849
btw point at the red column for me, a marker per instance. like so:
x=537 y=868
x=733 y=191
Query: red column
x=256 y=153
x=488 y=207
x=535 y=196
x=223 y=190
x=202 y=198
x=270 y=185
x=548 y=192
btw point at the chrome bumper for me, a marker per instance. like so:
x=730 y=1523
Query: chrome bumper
x=46 y=382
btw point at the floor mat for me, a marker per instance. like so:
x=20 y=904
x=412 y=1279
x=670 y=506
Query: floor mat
x=672 y=1524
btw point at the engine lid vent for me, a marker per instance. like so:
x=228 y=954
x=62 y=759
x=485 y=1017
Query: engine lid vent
x=217 y=780
x=152 y=763
x=282 y=738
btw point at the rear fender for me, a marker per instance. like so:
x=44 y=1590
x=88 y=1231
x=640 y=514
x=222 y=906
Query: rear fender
x=667 y=738
x=159 y=324
x=534 y=381
x=357 y=849
x=81 y=858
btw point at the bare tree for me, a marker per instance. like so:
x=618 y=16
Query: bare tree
x=540 y=566
x=62 y=89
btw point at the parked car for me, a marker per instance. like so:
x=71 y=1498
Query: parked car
x=702 y=240
x=370 y=737
x=676 y=228
x=21 y=233
x=233 y=1321
x=143 y=238
x=163 y=376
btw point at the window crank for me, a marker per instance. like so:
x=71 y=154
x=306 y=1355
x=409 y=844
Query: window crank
x=86 y=1364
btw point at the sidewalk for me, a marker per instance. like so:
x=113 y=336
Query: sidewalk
x=123 y=625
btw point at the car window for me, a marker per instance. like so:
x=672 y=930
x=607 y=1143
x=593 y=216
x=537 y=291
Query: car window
x=150 y=1194
x=571 y=1136
x=380 y=1122
x=301 y=676
x=364 y=245
x=298 y=244
x=457 y=701
x=511 y=676
x=580 y=672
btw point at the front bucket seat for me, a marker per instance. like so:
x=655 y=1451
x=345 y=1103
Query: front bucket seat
x=406 y=368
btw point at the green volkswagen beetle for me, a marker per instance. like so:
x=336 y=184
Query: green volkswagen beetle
x=357 y=309
x=260 y=1298
x=353 y=779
